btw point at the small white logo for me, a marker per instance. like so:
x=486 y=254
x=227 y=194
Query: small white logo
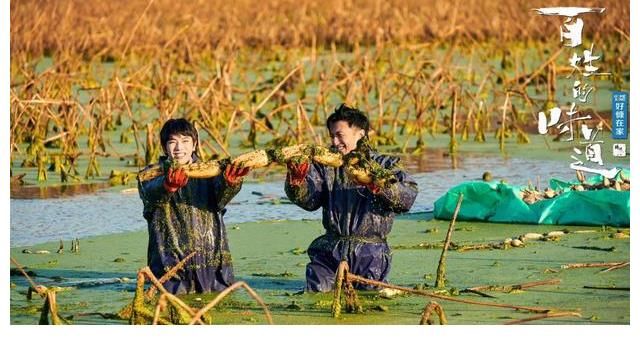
x=619 y=150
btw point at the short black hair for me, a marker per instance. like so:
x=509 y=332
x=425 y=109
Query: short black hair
x=352 y=116
x=178 y=126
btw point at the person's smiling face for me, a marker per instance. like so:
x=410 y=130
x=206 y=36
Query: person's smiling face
x=180 y=148
x=344 y=137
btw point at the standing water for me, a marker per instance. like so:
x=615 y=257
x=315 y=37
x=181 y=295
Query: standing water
x=36 y=221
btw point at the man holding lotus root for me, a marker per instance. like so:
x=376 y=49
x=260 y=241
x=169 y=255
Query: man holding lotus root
x=184 y=215
x=357 y=213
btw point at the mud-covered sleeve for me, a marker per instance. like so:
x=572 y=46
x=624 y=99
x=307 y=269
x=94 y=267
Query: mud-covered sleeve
x=222 y=191
x=152 y=191
x=309 y=194
x=398 y=196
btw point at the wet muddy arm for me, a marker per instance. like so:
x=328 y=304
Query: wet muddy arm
x=399 y=196
x=309 y=194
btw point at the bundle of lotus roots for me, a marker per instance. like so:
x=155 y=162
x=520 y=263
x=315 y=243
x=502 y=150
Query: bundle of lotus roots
x=622 y=183
x=358 y=166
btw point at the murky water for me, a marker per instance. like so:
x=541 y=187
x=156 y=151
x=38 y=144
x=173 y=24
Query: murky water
x=41 y=220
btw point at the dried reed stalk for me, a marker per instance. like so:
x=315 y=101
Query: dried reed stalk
x=522 y=286
x=594 y=264
x=446 y=298
x=544 y=316
x=625 y=264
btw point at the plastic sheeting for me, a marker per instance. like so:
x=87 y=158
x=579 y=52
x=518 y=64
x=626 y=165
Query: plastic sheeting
x=500 y=202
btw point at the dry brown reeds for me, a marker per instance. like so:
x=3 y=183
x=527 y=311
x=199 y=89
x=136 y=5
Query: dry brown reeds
x=271 y=73
x=117 y=28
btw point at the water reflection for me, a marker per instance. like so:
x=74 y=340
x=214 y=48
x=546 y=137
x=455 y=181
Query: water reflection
x=46 y=192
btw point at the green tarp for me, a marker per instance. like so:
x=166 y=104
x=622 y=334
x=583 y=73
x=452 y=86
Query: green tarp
x=500 y=202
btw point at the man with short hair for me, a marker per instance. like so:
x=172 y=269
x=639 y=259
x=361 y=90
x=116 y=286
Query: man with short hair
x=357 y=218
x=185 y=215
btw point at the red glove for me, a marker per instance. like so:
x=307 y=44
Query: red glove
x=175 y=179
x=233 y=174
x=297 y=172
x=375 y=189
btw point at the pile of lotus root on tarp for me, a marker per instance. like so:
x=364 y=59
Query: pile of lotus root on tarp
x=593 y=201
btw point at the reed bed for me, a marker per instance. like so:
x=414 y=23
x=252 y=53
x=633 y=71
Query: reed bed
x=90 y=80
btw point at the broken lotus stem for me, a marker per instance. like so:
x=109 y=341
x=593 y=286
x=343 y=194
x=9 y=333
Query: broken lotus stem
x=227 y=291
x=51 y=307
x=426 y=314
x=508 y=288
x=594 y=264
x=139 y=313
x=442 y=263
x=169 y=274
x=336 y=307
x=446 y=298
x=544 y=316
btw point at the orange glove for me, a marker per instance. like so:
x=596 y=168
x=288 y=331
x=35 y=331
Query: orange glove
x=175 y=179
x=234 y=174
x=297 y=172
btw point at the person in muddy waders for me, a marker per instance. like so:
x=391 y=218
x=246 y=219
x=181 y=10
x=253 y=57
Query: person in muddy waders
x=185 y=215
x=357 y=218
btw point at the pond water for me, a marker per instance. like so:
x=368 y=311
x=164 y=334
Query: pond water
x=40 y=220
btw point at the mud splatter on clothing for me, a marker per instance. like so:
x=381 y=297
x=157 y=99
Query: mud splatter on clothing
x=186 y=221
x=356 y=221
